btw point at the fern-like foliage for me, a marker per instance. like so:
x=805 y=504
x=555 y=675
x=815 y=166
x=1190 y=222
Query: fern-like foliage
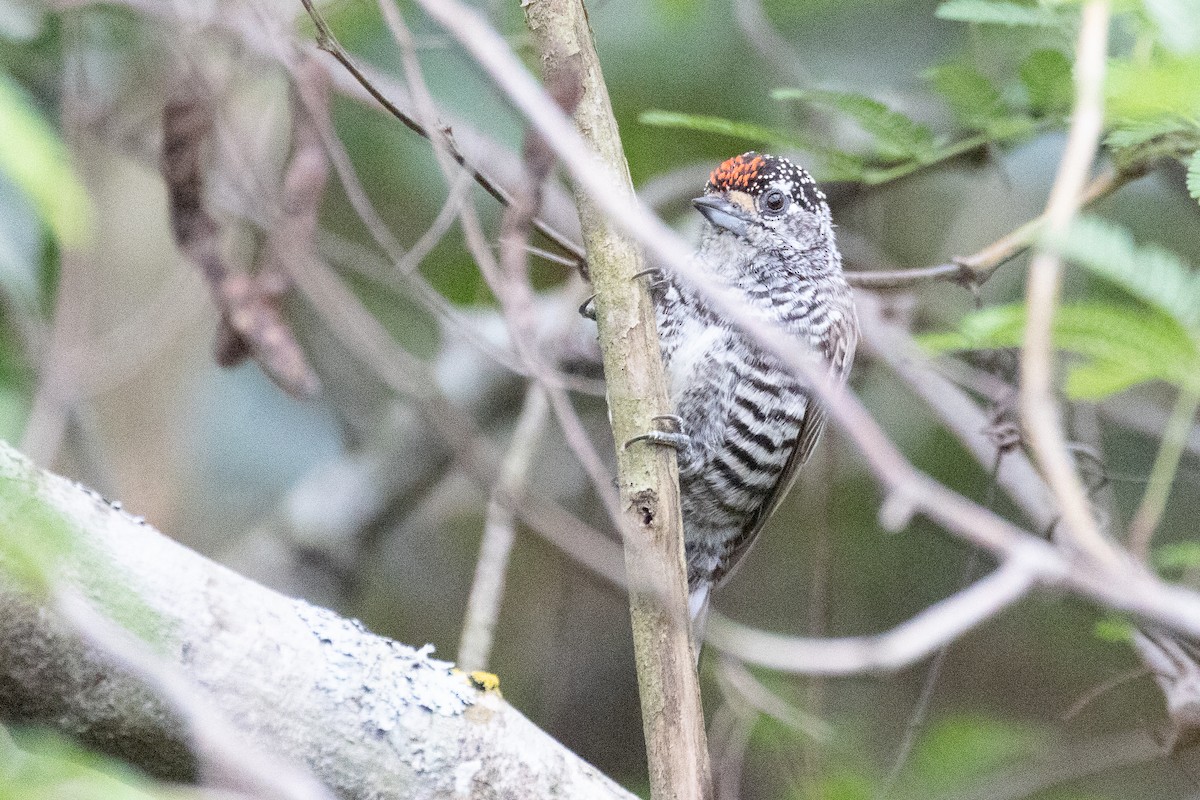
x=1116 y=346
x=725 y=127
x=835 y=165
x=896 y=135
x=1149 y=273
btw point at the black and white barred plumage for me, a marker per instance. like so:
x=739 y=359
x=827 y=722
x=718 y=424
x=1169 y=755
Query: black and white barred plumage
x=748 y=424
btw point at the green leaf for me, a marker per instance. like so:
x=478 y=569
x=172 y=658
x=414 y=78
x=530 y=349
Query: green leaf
x=1167 y=85
x=36 y=160
x=839 y=166
x=1193 y=175
x=896 y=135
x=1141 y=132
x=1178 y=556
x=997 y=12
x=959 y=750
x=36 y=765
x=724 y=127
x=1114 y=629
x=1149 y=273
x=1046 y=75
x=1120 y=346
x=1096 y=380
x=1138 y=142
x=973 y=99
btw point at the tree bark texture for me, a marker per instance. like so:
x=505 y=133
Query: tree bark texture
x=647 y=475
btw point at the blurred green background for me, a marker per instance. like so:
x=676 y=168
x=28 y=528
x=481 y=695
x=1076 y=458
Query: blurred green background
x=106 y=374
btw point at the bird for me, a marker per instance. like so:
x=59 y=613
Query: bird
x=742 y=423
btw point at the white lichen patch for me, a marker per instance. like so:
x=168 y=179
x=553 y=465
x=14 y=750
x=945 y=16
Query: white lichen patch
x=464 y=776
x=387 y=679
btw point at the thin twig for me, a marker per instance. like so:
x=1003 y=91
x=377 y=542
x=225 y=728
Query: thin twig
x=475 y=454
x=737 y=681
x=768 y=42
x=1088 y=697
x=329 y=43
x=1063 y=764
x=508 y=279
x=1162 y=474
x=499 y=532
x=1176 y=669
x=976 y=269
x=920 y=712
x=1040 y=414
x=903 y=645
x=408 y=376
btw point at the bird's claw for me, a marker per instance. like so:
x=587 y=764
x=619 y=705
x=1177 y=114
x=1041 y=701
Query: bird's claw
x=658 y=277
x=676 y=438
x=588 y=308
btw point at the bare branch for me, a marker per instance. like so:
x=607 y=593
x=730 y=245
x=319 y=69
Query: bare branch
x=903 y=645
x=328 y=42
x=1039 y=412
x=974 y=270
x=499 y=531
x=672 y=717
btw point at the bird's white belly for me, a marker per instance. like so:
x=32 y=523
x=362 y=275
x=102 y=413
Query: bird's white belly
x=694 y=348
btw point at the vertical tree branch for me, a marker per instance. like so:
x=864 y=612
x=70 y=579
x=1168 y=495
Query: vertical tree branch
x=649 y=483
x=1039 y=411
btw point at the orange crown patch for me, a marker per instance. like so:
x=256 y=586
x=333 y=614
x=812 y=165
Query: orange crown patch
x=738 y=172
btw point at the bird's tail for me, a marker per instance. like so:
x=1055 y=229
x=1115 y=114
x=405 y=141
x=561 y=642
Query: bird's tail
x=698 y=605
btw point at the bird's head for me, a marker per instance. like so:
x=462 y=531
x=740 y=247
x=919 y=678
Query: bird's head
x=765 y=202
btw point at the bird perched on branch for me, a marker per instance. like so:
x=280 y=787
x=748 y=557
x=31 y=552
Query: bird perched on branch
x=745 y=423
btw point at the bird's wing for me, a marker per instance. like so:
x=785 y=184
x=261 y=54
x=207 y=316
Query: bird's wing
x=839 y=357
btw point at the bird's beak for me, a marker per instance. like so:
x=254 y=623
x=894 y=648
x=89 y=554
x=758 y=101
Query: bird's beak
x=722 y=213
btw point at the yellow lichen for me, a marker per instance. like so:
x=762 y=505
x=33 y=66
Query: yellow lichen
x=485 y=681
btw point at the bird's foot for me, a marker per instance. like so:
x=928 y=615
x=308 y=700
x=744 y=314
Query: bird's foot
x=676 y=438
x=656 y=275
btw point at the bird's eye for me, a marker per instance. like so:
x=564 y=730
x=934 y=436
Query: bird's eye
x=774 y=202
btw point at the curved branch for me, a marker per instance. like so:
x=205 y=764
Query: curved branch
x=975 y=269
x=905 y=644
x=1040 y=415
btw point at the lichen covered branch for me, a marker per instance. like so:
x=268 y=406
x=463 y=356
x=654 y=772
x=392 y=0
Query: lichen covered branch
x=368 y=717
